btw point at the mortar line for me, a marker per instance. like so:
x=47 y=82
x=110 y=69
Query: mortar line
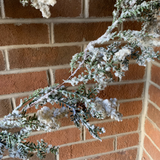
x=9 y=47
x=2 y=9
x=147 y=154
x=155 y=85
x=153 y=123
x=34 y=69
x=86 y=8
x=6 y=60
x=51 y=76
x=13 y=102
x=102 y=154
x=144 y=110
x=155 y=105
x=52 y=33
x=152 y=142
x=56 y=20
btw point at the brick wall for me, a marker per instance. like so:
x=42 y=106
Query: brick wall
x=35 y=52
x=151 y=145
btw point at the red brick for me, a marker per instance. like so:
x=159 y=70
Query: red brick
x=153 y=114
x=63 y=8
x=85 y=149
x=67 y=8
x=112 y=128
x=123 y=155
x=154 y=94
x=50 y=156
x=101 y=8
x=2 y=61
x=58 y=137
x=135 y=72
x=77 y=32
x=132 y=25
x=152 y=132
x=151 y=149
x=5 y=107
x=39 y=57
x=131 y=108
x=14 y=83
x=11 y=34
x=14 y=9
x=123 y=91
x=145 y=156
x=155 y=74
x=127 y=141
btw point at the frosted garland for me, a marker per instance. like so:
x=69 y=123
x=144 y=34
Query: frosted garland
x=101 y=65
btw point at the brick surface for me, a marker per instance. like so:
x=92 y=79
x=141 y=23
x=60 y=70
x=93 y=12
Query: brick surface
x=153 y=114
x=123 y=155
x=152 y=132
x=132 y=25
x=58 y=137
x=112 y=128
x=127 y=141
x=11 y=34
x=5 y=107
x=77 y=32
x=135 y=72
x=155 y=74
x=63 y=8
x=145 y=156
x=101 y=8
x=66 y=8
x=14 y=83
x=2 y=61
x=39 y=57
x=151 y=149
x=50 y=156
x=130 y=108
x=123 y=91
x=85 y=149
x=154 y=94
x=14 y=9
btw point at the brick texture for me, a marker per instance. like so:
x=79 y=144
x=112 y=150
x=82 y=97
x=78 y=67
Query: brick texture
x=63 y=8
x=145 y=156
x=39 y=57
x=132 y=25
x=5 y=107
x=14 y=9
x=49 y=156
x=58 y=137
x=152 y=132
x=112 y=128
x=85 y=149
x=67 y=8
x=153 y=114
x=77 y=32
x=14 y=83
x=124 y=91
x=127 y=141
x=123 y=155
x=151 y=149
x=135 y=72
x=155 y=74
x=2 y=62
x=154 y=94
x=101 y=8
x=131 y=108
x=11 y=34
